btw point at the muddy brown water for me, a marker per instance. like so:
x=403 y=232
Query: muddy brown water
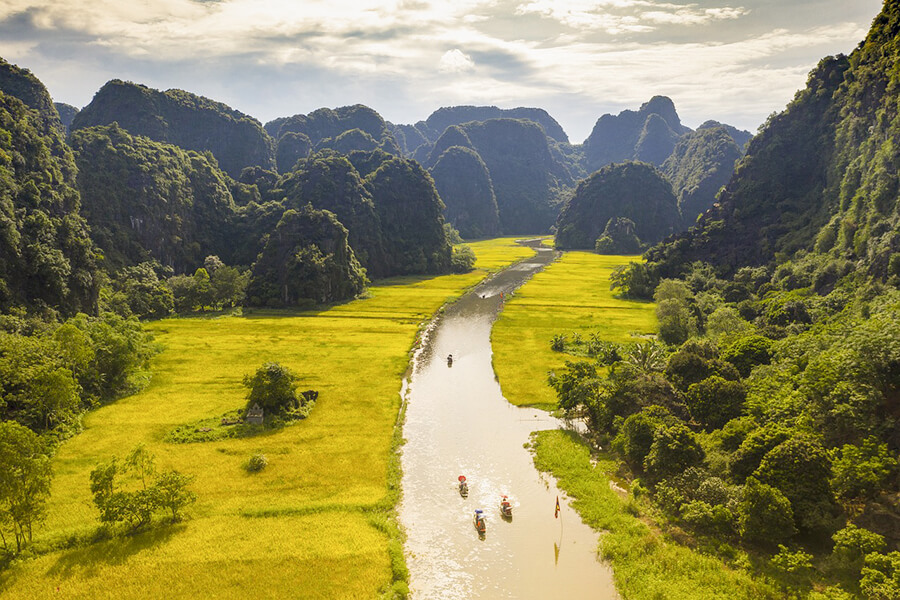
x=459 y=423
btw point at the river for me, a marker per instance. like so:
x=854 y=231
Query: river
x=459 y=423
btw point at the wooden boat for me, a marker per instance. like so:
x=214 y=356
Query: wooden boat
x=478 y=521
x=463 y=486
x=505 y=508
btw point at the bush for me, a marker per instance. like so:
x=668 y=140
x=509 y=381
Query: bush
x=862 y=471
x=256 y=463
x=714 y=401
x=748 y=352
x=462 y=259
x=881 y=576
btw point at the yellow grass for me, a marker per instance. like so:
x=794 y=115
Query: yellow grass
x=570 y=295
x=312 y=524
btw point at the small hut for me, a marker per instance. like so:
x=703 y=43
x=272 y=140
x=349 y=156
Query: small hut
x=254 y=415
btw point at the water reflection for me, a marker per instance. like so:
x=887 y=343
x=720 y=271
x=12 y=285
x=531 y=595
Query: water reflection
x=458 y=423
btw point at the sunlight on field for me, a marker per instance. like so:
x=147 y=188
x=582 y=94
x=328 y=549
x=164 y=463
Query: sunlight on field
x=328 y=484
x=571 y=295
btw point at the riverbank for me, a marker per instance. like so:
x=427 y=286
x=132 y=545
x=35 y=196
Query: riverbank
x=318 y=521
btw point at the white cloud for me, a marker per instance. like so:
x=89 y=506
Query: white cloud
x=454 y=61
x=626 y=16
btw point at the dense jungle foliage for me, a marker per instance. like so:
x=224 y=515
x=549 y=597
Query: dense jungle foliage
x=766 y=417
x=306 y=261
x=632 y=190
x=149 y=200
x=186 y=120
x=464 y=184
x=47 y=260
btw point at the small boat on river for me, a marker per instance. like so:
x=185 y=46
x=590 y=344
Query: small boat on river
x=463 y=486
x=505 y=508
x=478 y=520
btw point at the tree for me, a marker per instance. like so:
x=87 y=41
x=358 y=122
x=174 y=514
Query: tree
x=673 y=450
x=715 y=401
x=273 y=387
x=676 y=323
x=172 y=494
x=637 y=433
x=634 y=280
x=25 y=476
x=462 y=259
x=861 y=471
x=748 y=352
x=800 y=468
x=576 y=386
x=764 y=514
x=852 y=544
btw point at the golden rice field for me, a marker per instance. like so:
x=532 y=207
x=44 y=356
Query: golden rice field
x=571 y=295
x=318 y=522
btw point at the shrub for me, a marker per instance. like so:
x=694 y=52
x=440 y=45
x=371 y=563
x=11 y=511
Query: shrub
x=256 y=463
x=462 y=259
x=852 y=544
x=861 y=471
x=715 y=401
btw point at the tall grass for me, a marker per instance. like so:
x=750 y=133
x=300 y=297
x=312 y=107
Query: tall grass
x=318 y=522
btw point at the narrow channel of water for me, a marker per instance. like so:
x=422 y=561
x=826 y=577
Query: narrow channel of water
x=458 y=423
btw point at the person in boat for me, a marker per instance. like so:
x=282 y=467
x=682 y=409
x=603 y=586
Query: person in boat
x=449 y=359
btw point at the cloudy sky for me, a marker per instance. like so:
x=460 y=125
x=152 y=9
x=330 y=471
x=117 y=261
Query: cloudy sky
x=735 y=61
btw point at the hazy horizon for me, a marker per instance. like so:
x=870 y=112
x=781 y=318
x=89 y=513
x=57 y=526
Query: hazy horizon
x=734 y=62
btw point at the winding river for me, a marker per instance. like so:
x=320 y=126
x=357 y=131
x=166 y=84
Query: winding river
x=458 y=423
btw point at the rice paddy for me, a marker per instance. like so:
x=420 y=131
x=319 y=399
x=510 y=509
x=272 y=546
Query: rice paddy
x=318 y=522
x=570 y=296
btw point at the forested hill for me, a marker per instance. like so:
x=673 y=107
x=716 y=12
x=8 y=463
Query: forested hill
x=184 y=119
x=821 y=177
x=46 y=256
x=22 y=84
x=446 y=116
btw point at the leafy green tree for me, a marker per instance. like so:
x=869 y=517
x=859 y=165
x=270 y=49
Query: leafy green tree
x=673 y=450
x=725 y=324
x=715 y=401
x=576 y=386
x=748 y=352
x=647 y=357
x=764 y=514
x=800 y=468
x=634 y=280
x=754 y=448
x=273 y=387
x=637 y=434
x=229 y=286
x=172 y=494
x=25 y=477
x=676 y=323
x=462 y=259
x=881 y=576
x=852 y=544
x=862 y=471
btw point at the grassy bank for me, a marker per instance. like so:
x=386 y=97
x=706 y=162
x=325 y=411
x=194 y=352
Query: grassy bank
x=318 y=521
x=572 y=295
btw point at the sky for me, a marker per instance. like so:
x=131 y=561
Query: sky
x=734 y=61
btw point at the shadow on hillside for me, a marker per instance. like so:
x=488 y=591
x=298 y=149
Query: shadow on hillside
x=86 y=561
